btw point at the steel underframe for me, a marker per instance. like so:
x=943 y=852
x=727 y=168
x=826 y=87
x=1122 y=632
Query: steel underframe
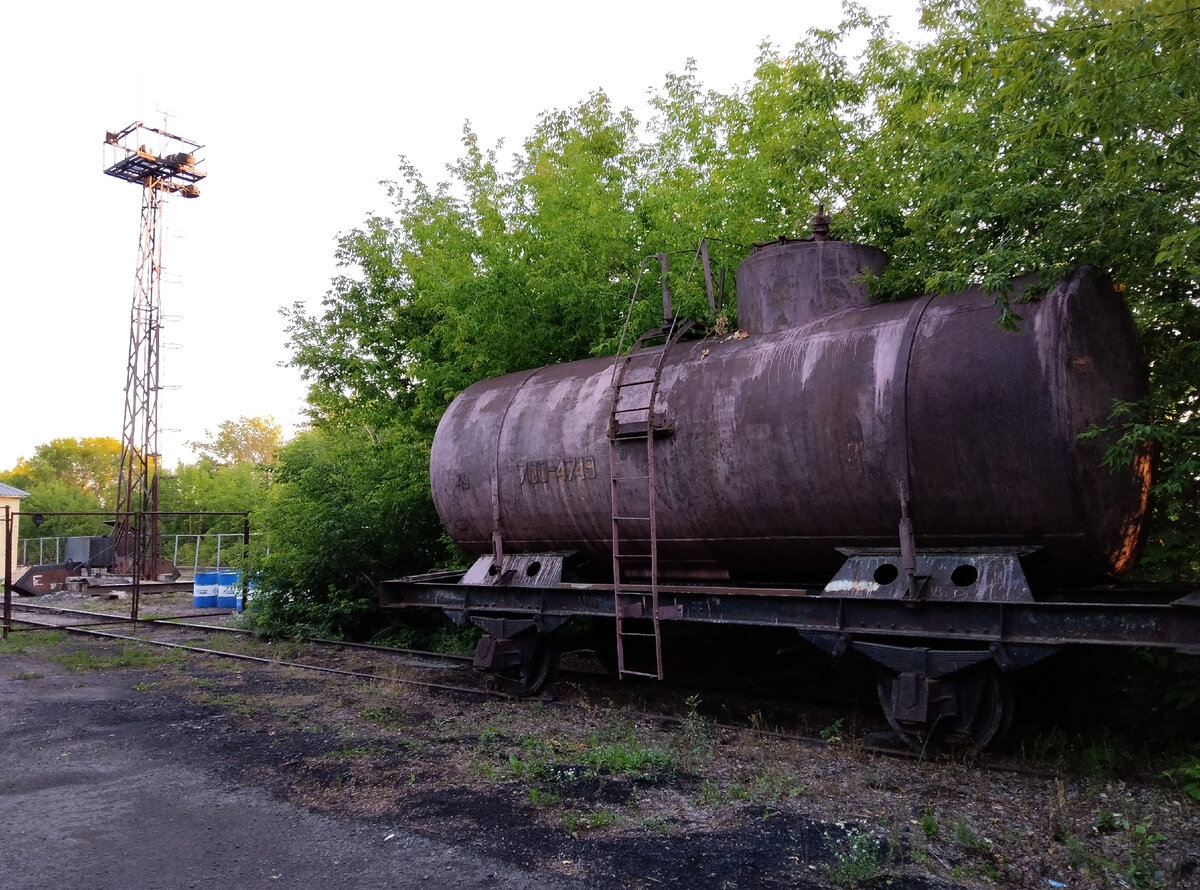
x=1171 y=625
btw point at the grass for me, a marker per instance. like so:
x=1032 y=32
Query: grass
x=386 y=716
x=577 y=822
x=626 y=757
x=20 y=642
x=83 y=661
x=760 y=787
x=241 y=705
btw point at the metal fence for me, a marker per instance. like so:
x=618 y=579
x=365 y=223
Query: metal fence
x=195 y=550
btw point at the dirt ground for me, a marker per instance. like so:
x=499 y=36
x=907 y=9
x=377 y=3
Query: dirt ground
x=130 y=768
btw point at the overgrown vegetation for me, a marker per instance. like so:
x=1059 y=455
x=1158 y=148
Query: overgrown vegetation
x=1013 y=137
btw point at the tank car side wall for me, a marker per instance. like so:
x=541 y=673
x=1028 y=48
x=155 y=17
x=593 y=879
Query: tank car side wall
x=783 y=444
x=538 y=440
x=787 y=446
x=554 y=463
x=462 y=462
x=1000 y=457
x=1094 y=356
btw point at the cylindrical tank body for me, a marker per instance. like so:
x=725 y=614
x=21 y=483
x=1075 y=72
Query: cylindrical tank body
x=793 y=440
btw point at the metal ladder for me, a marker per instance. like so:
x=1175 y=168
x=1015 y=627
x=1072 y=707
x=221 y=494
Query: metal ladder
x=633 y=427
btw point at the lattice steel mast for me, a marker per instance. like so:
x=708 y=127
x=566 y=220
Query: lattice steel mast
x=167 y=166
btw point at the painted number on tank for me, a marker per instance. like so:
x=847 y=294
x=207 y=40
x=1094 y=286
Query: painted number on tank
x=559 y=469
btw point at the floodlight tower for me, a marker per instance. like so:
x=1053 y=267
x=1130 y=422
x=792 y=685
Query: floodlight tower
x=162 y=164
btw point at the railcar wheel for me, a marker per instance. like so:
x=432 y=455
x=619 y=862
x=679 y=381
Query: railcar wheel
x=537 y=667
x=970 y=709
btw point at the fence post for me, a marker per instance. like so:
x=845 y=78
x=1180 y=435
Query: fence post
x=245 y=558
x=8 y=571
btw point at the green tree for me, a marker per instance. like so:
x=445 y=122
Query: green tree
x=348 y=509
x=67 y=475
x=1011 y=139
x=252 y=440
x=1014 y=141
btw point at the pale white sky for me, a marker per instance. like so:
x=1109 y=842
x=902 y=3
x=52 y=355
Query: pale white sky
x=303 y=109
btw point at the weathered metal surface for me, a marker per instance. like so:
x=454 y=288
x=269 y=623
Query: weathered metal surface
x=1154 y=624
x=790 y=444
x=787 y=283
x=92 y=552
x=43 y=579
x=943 y=576
x=523 y=569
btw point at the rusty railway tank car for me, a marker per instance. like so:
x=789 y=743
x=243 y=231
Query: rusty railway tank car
x=878 y=475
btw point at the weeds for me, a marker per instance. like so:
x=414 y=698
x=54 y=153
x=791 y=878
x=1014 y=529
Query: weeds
x=82 y=661
x=386 y=716
x=576 y=822
x=694 y=741
x=964 y=834
x=858 y=858
x=930 y=826
x=1141 y=872
x=832 y=734
x=542 y=799
x=626 y=757
x=1186 y=775
x=764 y=788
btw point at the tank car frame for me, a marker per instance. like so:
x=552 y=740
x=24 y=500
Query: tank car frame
x=943 y=656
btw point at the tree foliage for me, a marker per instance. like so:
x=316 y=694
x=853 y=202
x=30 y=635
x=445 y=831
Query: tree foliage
x=81 y=475
x=247 y=440
x=1011 y=138
x=1024 y=142
x=67 y=476
x=347 y=510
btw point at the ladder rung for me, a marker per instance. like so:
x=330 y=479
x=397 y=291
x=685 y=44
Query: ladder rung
x=637 y=382
x=628 y=673
x=637 y=430
x=646 y=352
x=630 y=633
x=628 y=478
x=638 y=518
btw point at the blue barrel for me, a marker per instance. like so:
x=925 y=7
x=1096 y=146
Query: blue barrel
x=251 y=587
x=229 y=589
x=204 y=590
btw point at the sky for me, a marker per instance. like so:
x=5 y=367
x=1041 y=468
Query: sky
x=303 y=110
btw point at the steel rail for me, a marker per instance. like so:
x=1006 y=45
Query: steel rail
x=172 y=621
x=444 y=687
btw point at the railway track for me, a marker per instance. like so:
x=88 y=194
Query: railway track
x=359 y=660
x=762 y=712
x=201 y=634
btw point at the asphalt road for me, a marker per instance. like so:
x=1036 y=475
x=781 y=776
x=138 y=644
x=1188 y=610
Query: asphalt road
x=91 y=799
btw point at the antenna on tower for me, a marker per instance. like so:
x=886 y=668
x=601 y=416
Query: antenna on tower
x=162 y=163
